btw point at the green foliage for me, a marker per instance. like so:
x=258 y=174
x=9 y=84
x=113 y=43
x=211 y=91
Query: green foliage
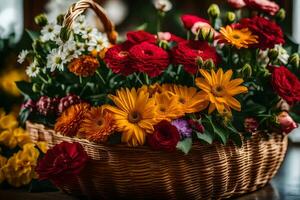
x=185 y=145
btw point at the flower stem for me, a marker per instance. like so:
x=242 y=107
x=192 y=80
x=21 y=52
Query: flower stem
x=147 y=79
x=138 y=78
x=80 y=79
x=100 y=76
x=43 y=79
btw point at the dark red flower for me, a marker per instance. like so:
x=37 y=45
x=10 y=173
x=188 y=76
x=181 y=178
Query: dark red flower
x=287 y=124
x=237 y=4
x=266 y=6
x=137 y=37
x=250 y=124
x=268 y=32
x=196 y=125
x=186 y=53
x=189 y=21
x=165 y=137
x=62 y=162
x=149 y=58
x=118 y=60
x=286 y=84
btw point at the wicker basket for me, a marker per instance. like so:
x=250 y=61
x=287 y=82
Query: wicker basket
x=207 y=172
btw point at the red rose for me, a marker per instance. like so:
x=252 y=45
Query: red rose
x=63 y=161
x=267 y=6
x=237 y=4
x=186 y=53
x=165 y=137
x=149 y=58
x=268 y=32
x=189 y=21
x=117 y=59
x=137 y=37
x=286 y=84
x=287 y=124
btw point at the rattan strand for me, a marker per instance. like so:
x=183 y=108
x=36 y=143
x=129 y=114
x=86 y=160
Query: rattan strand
x=207 y=172
x=78 y=8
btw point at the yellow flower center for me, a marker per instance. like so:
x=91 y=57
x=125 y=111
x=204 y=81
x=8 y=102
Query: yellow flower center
x=100 y=122
x=162 y=109
x=134 y=117
x=181 y=100
x=218 y=90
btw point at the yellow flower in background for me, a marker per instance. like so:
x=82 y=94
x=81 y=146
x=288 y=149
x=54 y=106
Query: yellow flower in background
x=8 y=139
x=167 y=107
x=240 y=38
x=220 y=90
x=188 y=98
x=19 y=169
x=21 y=136
x=8 y=79
x=134 y=115
x=8 y=122
x=43 y=146
x=3 y=161
x=2 y=113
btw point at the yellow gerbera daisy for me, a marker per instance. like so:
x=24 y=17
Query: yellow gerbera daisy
x=220 y=90
x=240 y=38
x=134 y=115
x=187 y=98
x=167 y=106
x=97 y=125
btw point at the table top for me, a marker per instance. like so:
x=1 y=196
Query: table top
x=284 y=186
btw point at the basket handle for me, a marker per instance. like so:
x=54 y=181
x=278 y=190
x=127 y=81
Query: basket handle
x=78 y=8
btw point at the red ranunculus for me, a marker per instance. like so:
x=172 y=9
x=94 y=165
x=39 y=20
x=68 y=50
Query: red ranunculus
x=286 y=84
x=169 y=37
x=137 y=37
x=63 y=161
x=266 y=6
x=117 y=59
x=149 y=58
x=189 y=21
x=237 y=4
x=268 y=32
x=186 y=53
x=165 y=137
x=287 y=124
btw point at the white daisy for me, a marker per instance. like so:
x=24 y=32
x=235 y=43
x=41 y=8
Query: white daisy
x=72 y=50
x=32 y=70
x=22 y=56
x=98 y=42
x=50 y=32
x=163 y=5
x=56 y=60
x=90 y=33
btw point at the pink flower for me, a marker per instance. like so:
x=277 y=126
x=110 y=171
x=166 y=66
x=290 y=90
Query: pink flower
x=164 y=36
x=237 y=4
x=199 y=25
x=267 y=6
x=287 y=124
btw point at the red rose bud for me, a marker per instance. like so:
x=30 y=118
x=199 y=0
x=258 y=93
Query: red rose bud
x=149 y=58
x=62 y=162
x=165 y=137
x=236 y=4
x=118 y=60
x=266 y=6
x=250 y=124
x=196 y=125
x=287 y=124
x=286 y=84
x=189 y=21
x=137 y=37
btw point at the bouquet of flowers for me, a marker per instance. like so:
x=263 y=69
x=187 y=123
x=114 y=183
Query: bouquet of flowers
x=231 y=77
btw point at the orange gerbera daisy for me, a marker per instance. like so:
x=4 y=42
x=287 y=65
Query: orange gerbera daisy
x=134 y=115
x=97 y=125
x=187 y=98
x=220 y=90
x=167 y=106
x=84 y=66
x=240 y=38
x=68 y=123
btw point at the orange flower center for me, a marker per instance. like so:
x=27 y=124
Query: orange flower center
x=181 y=100
x=218 y=90
x=162 y=109
x=236 y=36
x=134 y=117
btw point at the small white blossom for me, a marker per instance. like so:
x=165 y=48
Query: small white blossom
x=98 y=42
x=283 y=55
x=22 y=56
x=163 y=5
x=32 y=70
x=50 y=32
x=72 y=50
x=56 y=60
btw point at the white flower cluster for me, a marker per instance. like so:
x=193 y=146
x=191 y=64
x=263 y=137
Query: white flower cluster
x=83 y=39
x=162 y=5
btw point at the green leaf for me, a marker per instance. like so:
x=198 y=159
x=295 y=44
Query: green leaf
x=26 y=89
x=206 y=136
x=142 y=27
x=185 y=145
x=33 y=34
x=219 y=132
x=23 y=115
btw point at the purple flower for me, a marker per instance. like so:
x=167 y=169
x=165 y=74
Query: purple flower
x=183 y=128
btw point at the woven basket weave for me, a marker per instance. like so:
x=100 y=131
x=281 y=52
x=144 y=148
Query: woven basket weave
x=207 y=172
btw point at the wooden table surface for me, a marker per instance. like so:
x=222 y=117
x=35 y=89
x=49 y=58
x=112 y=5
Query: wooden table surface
x=285 y=185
